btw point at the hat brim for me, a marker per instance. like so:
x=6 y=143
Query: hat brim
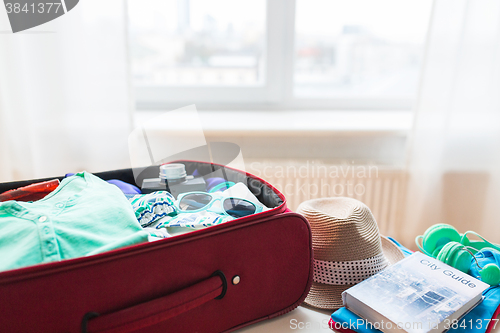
x=329 y=297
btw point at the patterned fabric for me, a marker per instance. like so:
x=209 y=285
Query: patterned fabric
x=193 y=220
x=151 y=207
x=347 y=272
x=157 y=234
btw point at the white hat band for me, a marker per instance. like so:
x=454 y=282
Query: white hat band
x=348 y=272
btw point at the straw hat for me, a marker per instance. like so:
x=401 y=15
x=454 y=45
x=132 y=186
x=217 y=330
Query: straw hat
x=348 y=248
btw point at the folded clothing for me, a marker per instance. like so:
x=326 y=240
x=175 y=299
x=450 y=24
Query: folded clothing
x=159 y=214
x=213 y=214
x=149 y=208
x=157 y=234
x=83 y=216
x=193 y=220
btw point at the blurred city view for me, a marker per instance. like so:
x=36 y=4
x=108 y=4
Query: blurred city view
x=195 y=42
x=343 y=49
x=359 y=48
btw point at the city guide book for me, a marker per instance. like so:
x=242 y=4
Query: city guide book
x=419 y=294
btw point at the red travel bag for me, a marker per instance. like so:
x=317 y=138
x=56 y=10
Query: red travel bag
x=216 y=279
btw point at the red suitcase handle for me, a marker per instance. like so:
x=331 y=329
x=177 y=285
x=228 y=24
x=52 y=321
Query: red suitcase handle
x=160 y=309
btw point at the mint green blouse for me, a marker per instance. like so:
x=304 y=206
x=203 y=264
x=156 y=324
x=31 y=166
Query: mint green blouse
x=83 y=216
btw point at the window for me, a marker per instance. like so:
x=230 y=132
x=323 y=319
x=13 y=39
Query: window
x=198 y=43
x=293 y=54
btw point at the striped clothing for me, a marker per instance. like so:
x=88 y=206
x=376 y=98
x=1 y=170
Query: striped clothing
x=151 y=207
x=193 y=220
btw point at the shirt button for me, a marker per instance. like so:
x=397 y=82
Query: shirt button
x=50 y=246
x=42 y=218
x=46 y=230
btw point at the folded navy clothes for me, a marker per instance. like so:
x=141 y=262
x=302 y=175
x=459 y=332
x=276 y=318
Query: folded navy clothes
x=126 y=188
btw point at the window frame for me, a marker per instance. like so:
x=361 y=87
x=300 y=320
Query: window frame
x=276 y=93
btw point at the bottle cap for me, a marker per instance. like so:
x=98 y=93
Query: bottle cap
x=172 y=171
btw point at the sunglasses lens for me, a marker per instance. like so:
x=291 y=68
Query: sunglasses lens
x=194 y=201
x=238 y=208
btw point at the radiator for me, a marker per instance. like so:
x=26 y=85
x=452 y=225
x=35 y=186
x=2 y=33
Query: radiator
x=383 y=190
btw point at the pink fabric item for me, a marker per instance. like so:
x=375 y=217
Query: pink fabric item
x=492 y=323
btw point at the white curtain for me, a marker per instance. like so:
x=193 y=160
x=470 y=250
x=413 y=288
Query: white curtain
x=454 y=160
x=64 y=94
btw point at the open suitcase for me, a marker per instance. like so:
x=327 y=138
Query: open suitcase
x=216 y=279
